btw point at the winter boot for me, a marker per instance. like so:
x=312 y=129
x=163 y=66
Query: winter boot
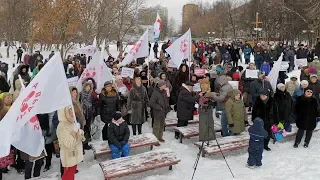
x=250 y=167
x=305 y=145
x=296 y=145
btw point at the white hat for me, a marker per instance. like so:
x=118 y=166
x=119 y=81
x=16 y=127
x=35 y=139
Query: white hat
x=280 y=85
x=313 y=75
x=294 y=76
x=304 y=82
x=316 y=57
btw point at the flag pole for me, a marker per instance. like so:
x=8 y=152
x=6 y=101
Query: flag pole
x=190 y=55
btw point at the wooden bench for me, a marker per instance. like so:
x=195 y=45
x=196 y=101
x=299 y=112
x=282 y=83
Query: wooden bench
x=192 y=131
x=139 y=163
x=226 y=143
x=232 y=143
x=102 y=147
x=174 y=122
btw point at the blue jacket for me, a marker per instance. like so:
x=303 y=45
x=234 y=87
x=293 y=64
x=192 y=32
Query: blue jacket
x=258 y=58
x=265 y=67
x=257 y=132
x=297 y=92
x=247 y=53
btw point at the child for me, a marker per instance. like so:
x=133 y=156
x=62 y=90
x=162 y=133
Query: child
x=256 y=143
x=118 y=135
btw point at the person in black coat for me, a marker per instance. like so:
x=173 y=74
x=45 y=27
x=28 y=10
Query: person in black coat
x=118 y=137
x=284 y=104
x=259 y=85
x=155 y=50
x=246 y=83
x=23 y=72
x=264 y=108
x=306 y=110
x=109 y=103
x=185 y=105
x=4 y=86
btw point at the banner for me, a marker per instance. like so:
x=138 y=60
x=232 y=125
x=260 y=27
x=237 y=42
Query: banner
x=200 y=72
x=73 y=81
x=300 y=62
x=252 y=74
x=274 y=73
x=127 y=72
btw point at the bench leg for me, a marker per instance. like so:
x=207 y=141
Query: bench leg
x=151 y=147
x=181 y=138
x=203 y=153
x=170 y=168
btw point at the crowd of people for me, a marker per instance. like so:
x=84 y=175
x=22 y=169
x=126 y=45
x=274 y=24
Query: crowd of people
x=157 y=89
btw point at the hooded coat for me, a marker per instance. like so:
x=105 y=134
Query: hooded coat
x=236 y=113
x=180 y=78
x=159 y=103
x=137 y=102
x=78 y=108
x=109 y=103
x=70 y=143
x=25 y=76
x=257 y=134
x=4 y=86
x=259 y=85
x=185 y=104
x=284 y=105
x=224 y=89
x=306 y=111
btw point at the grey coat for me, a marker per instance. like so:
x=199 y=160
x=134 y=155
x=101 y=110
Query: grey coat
x=137 y=104
x=50 y=135
x=159 y=103
x=224 y=90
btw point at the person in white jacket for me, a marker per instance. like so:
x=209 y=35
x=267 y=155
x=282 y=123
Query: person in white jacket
x=70 y=138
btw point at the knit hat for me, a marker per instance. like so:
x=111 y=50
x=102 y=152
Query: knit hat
x=313 y=75
x=280 y=85
x=312 y=70
x=265 y=92
x=118 y=78
x=107 y=83
x=236 y=76
x=294 y=76
x=117 y=116
x=161 y=83
x=189 y=83
x=304 y=82
x=230 y=74
x=316 y=57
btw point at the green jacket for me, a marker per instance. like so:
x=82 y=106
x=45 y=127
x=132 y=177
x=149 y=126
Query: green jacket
x=236 y=113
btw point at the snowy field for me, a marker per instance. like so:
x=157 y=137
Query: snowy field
x=282 y=163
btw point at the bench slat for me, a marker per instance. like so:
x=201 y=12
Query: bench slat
x=190 y=131
x=139 y=163
x=225 y=140
x=174 y=122
x=148 y=139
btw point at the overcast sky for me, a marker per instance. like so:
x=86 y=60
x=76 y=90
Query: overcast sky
x=174 y=6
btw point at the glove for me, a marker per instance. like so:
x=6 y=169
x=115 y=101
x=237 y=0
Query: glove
x=231 y=125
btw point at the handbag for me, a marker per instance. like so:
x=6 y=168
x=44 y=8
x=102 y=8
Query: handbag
x=7 y=160
x=56 y=146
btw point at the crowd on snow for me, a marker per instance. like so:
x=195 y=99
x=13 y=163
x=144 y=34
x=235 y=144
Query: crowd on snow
x=162 y=88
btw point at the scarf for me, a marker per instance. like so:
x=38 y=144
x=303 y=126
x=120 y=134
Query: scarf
x=117 y=122
x=86 y=99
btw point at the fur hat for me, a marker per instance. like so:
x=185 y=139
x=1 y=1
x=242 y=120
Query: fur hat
x=265 y=92
x=280 y=85
x=161 y=83
x=304 y=82
x=313 y=75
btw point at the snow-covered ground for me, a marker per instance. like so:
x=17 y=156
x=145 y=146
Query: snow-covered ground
x=282 y=163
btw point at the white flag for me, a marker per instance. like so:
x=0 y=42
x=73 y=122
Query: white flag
x=157 y=28
x=96 y=70
x=180 y=49
x=89 y=50
x=46 y=93
x=274 y=73
x=140 y=49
